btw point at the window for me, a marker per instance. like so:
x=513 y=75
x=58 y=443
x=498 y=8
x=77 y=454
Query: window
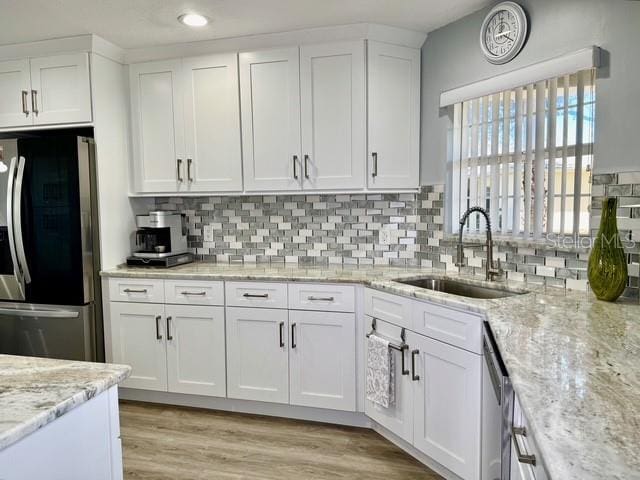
x=526 y=156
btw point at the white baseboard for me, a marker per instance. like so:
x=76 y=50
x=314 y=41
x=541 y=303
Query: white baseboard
x=353 y=419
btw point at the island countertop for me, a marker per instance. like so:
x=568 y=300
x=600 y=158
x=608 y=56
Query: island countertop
x=574 y=361
x=36 y=391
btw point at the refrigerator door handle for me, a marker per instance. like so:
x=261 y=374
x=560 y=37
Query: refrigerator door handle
x=10 y=224
x=25 y=312
x=17 y=206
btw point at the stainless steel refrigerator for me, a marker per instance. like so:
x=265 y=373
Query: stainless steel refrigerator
x=50 y=302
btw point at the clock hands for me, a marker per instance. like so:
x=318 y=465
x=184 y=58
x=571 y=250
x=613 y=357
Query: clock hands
x=504 y=34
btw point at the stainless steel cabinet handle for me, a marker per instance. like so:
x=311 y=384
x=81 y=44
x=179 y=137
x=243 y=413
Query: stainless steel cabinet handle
x=293 y=335
x=169 y=336
x=374 y=155
x=320 y=299
x=522 y=457
x=306 y=166
x=178 y=169
x=295 y=171
x=158 y=334
x=25 y=109
x=414 y=377
x=255 y=295
x=281 y=327
x=193 y=294
x=131 y=290
x=34 y=102
x=189 y=162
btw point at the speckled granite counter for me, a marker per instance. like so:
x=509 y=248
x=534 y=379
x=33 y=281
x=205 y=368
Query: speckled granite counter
x=574 y=361
x=36 y=391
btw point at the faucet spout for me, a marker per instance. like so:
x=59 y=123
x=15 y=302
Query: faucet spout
x=491 y=270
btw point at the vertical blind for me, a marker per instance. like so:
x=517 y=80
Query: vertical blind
x=526 y=155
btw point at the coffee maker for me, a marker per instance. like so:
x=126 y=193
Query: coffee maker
x=161 y=240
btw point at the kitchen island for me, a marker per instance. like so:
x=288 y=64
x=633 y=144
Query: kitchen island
x=59 y=419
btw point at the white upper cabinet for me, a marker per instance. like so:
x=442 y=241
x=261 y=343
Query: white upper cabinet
x=45 y=91
x=15 y=93
x=157 y=122
x=333 y=101
x=394 y=116
x=270 y=104
x=212 y=123
x=60 y=89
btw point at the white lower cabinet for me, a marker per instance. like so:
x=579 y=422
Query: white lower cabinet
x=137 y=339
x=447 y=386
x=195 y=350
x=398 y=417
x=322 y=360
x=174 y=348
x=257 y=356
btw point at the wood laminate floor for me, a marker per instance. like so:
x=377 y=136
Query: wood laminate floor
x=174 y=443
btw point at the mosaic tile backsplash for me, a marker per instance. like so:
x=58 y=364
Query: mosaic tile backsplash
x=404 y=229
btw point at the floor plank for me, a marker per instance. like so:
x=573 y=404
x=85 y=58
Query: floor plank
x=162 y=442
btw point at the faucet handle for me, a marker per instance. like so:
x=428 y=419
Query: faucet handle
x=496 y=269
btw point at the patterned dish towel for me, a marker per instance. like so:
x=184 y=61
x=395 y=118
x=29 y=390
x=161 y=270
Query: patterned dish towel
x=380 y=372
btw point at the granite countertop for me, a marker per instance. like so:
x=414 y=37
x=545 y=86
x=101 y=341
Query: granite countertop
x=574 y=361
x=36 y=391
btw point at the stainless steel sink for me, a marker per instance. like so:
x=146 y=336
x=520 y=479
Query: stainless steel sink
x=459 y=288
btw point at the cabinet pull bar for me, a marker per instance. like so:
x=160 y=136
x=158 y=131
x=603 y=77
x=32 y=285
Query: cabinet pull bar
x=404 y=348
x=414 y=377
x=522 y=457
x=34 y=102
x=374 y=155
x=158 y=334
x=281 y=327
x=295 y=171
x=320 y=299
x=178 y=168
x=306 y=166
x=132 y=290
x=25 y=109
x=169 y=336
x=293 y=335
x=255 y=295
x=189 y=162
x=193 y=294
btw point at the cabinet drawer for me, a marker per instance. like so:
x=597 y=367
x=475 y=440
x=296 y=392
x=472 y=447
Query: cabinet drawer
x=456 y=328
x=328 y=298
x=136 y=290
x=194 y=292
x=385 y=306
x=256 y=294
x=521 y=433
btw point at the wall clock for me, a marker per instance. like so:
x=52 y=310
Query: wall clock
x=503 y=32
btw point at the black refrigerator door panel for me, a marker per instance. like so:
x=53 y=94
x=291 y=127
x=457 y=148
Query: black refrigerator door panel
x=51 y=219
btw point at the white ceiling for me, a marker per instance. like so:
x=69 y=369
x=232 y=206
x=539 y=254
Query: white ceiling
x=138 y=23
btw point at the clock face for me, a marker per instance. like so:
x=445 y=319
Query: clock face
x=503 y=32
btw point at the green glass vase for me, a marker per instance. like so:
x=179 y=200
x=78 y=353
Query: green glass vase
x=607 y=269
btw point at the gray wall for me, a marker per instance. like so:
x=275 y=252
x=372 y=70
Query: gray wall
x=451 y=57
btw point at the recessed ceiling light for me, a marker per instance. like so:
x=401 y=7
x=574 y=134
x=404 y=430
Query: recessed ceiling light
x=193 y=20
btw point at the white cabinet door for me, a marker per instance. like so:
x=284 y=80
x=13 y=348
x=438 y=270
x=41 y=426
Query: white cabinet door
x=270 y=106
x=138 y=339
x=61 y=89
x=333 y=102
x=212 y=123
x=398 y=418
x=157 y=125
x=257 y=358
x=447 y=398
x=394 y=116
x=195 y=349
x=322 y=360
x=15 y=94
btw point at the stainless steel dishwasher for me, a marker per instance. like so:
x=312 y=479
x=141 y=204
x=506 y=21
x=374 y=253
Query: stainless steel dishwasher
x=497 y=412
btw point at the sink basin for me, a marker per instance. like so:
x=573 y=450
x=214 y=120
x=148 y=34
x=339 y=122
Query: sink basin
x=459 y=288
